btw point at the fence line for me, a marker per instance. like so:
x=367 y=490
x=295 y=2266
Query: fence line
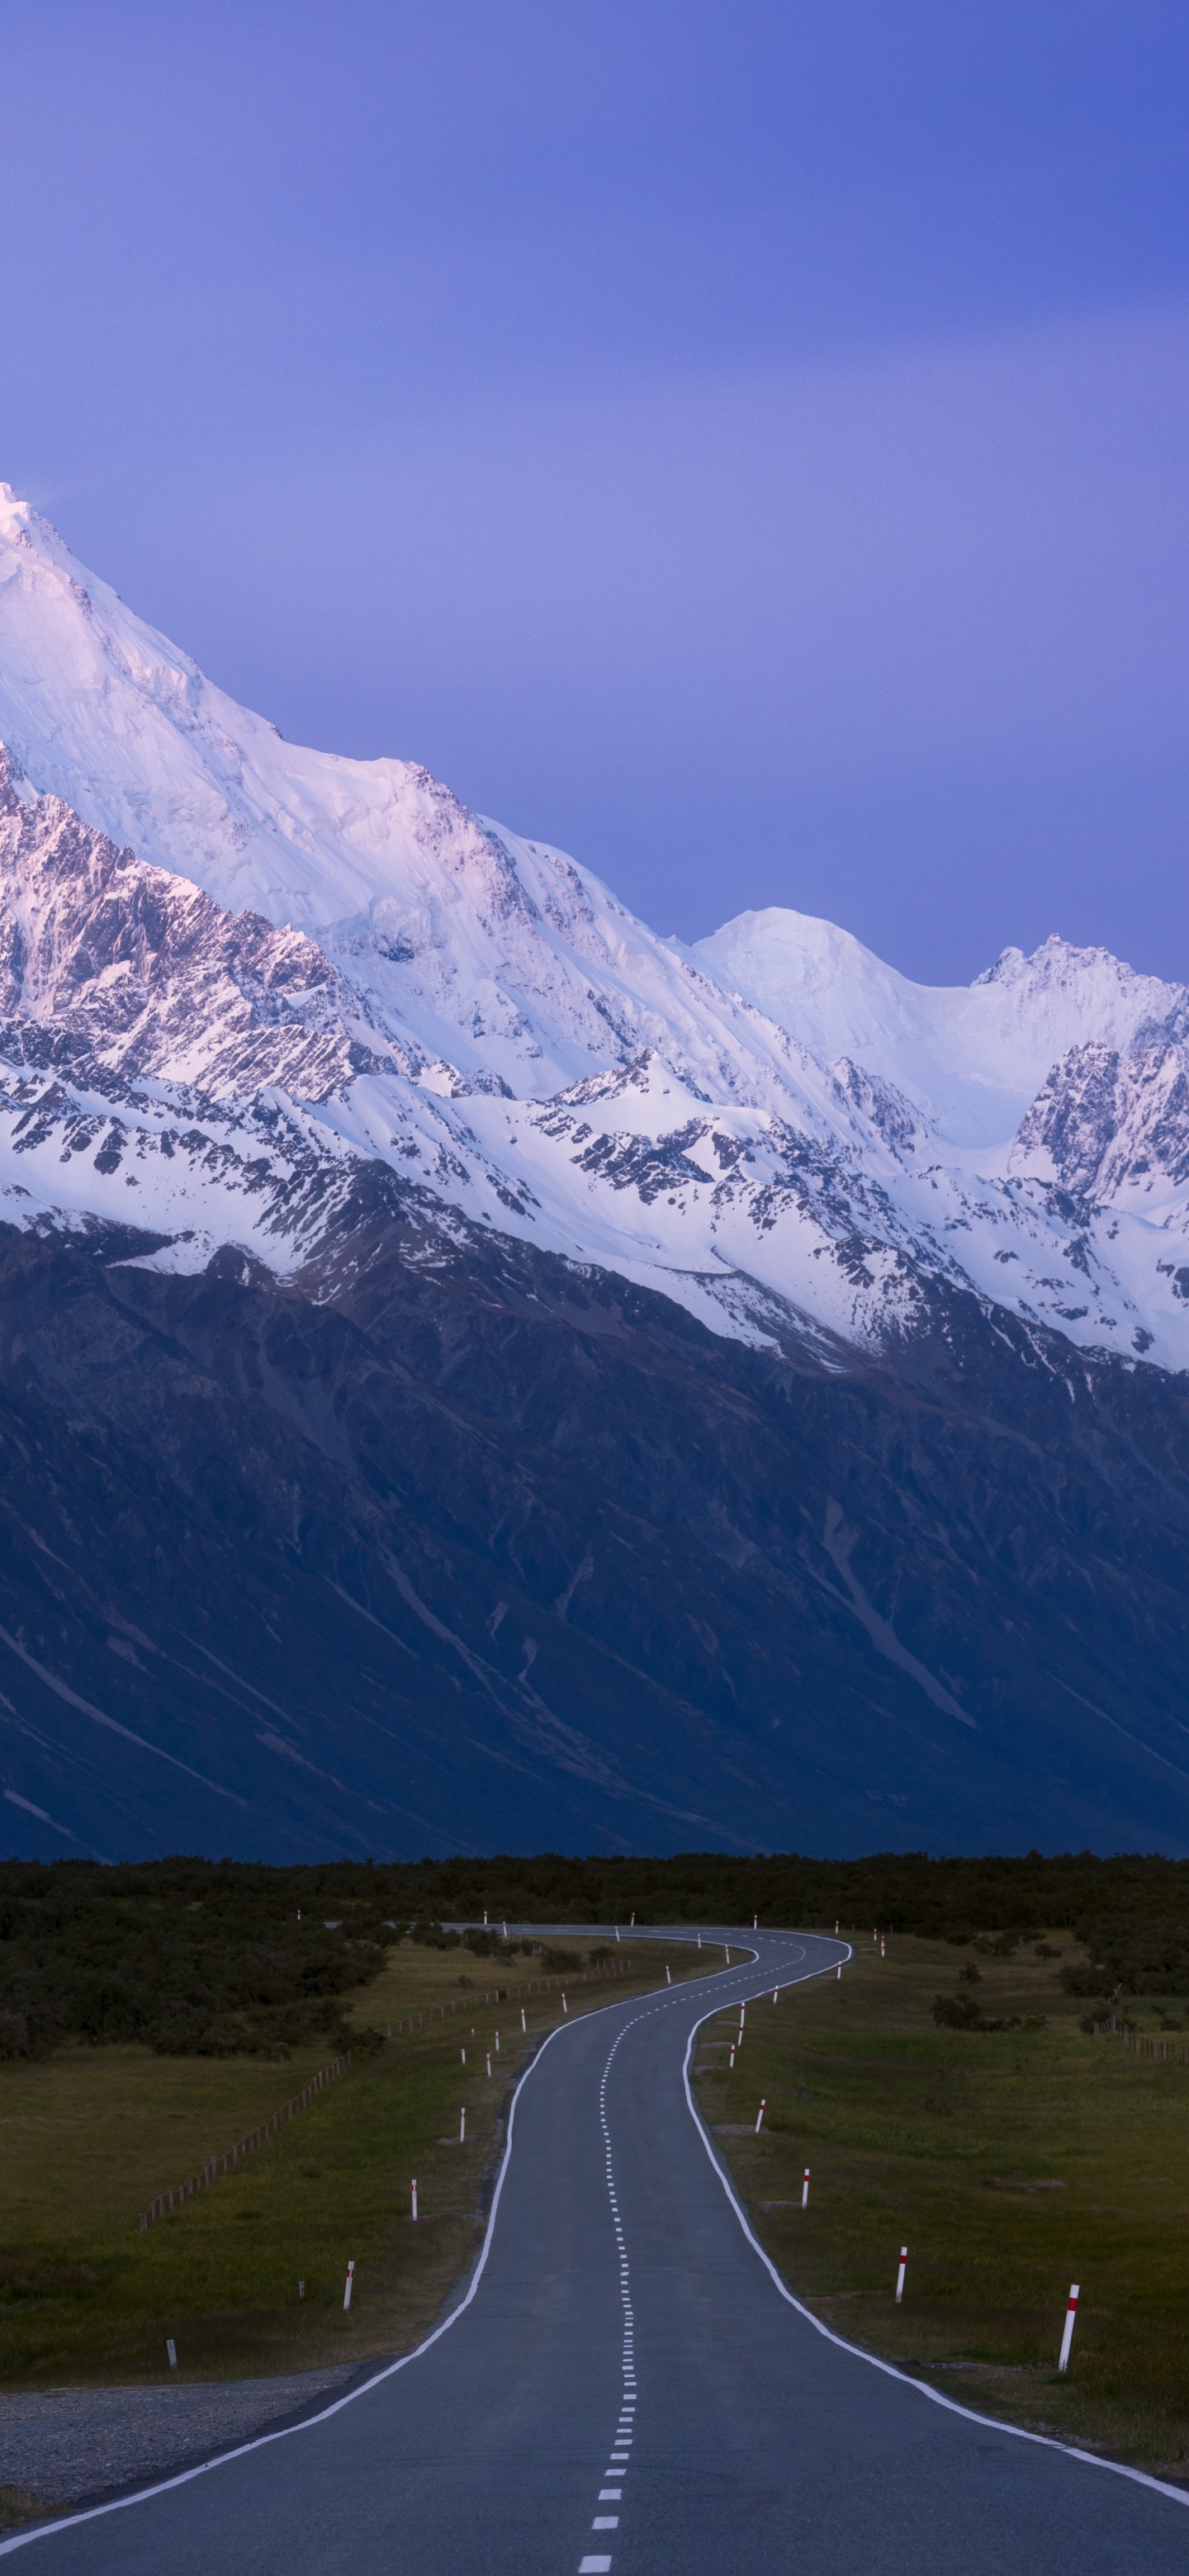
x=1139 y=2042
x=167 y=2200
x=503 y=1994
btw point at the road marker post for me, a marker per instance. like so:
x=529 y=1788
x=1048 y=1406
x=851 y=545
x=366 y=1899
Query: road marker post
x=523 y=2022
x=301 y=2289
x=462 y=2127
x=775 y=1992
x=504 y=1929
x=564 y=2005
x=350 y=2285
x=464 y=2057
x=172 y=2350
x=414 y=2200
x=805 y=2189
x=759 y=2116
x=1067 y=2337
x=668 y=1976
x=882 y=1952
x=840 y=1971
x=732 y=2057
x=900 y=2274
x=489 y=2061
x=497 y=2043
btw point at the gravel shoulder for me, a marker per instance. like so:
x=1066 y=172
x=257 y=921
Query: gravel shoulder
x=64 y=2444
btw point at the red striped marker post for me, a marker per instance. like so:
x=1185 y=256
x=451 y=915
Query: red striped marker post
x=350 y=2281
x=731 y=2060
x=489 y=2061
x=805 y=2189
x=760 y=2116
x=1067 y=2337
x=414 y=2200
x=775 y=1992
x=900 y=2274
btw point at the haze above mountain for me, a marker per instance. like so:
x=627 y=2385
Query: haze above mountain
x=734 y=1380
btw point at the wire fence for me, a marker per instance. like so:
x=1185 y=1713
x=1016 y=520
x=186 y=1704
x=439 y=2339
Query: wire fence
x=167 y=2200
x=1140 y=2042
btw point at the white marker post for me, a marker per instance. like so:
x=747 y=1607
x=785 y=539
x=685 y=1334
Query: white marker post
x=497 y=2043
x=523 y=2023
x=1067 y=2337
x=462 y=2127
x=882 y=1951
x=727 y=1949
x=172 y=2350
x=485 y=1918
x=350 y=2282
x=835 y=1931
x=840 y=1971
x=805 y=2189
x=564 y=2005
x=775 y=1992
x=760 y=2116
x=464 y=2057
x=414 y=2200
x=489 y=2061
x=668 y=1976
x=633 y=1923
x=900 y=2274
x=504 y=1929
x=617 y=1931
x=699 y=1940
x=731 y=2060
x=755 y=1922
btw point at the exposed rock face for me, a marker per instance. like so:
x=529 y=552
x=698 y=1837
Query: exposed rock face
x=446 y=1545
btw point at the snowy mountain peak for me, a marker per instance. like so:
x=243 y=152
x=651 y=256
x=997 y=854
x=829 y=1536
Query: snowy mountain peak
x=332 y=964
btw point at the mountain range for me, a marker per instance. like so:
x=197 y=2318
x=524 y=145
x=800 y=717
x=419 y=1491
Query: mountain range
x=474 y=1372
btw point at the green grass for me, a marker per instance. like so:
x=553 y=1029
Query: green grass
x=1010 y=2163
x=89 y=2135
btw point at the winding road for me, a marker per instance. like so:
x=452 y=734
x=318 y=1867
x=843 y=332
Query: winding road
x=629 y=2391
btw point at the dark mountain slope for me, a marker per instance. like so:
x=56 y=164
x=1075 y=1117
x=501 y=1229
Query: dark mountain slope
x=448 y=1544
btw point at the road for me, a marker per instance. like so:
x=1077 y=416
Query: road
x=629 y=2393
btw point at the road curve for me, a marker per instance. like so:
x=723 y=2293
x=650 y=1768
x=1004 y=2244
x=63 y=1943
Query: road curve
x=629 y=2391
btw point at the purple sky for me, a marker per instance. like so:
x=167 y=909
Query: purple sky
x=746 y=444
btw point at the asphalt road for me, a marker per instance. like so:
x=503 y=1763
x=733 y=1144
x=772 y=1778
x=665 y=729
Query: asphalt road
x=628 y=2392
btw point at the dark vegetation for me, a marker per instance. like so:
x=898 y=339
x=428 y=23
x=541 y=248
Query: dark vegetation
x=216 y=1957
x=198 y=1958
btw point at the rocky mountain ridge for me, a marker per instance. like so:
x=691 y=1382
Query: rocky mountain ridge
x=471 y=1370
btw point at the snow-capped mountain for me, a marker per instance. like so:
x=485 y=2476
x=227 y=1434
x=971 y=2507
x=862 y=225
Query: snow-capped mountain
x=304 y=962
x=474 y=1372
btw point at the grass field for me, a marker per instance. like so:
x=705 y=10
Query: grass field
x=88 y=2136
x=1011 y=2163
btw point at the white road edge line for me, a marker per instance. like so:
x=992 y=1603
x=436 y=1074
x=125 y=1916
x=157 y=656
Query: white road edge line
x=1017 y=2432
x=260 y=2441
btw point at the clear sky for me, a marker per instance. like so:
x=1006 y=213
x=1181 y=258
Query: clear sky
x=745 y=443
